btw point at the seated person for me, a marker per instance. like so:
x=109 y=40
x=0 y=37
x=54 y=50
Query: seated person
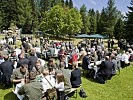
x=60 y=81
x=105 y=70
x=51 y=66
x=67 y=75
x=19 y=74
x=76 y=76
x=46 y=80
x=32 y=90
x=38 y=69
x=86 y=61
x=125 y=59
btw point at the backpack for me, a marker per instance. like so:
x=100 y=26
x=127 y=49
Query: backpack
x=82 y=93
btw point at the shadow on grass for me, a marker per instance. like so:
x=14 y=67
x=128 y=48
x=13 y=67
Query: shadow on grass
x=10 y=96
x=85 y=74
x=4 y=88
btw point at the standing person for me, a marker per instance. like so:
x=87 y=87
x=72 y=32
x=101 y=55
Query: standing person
x=14 y=40
x=60 y=81
x=112 y=43
x=109 y=44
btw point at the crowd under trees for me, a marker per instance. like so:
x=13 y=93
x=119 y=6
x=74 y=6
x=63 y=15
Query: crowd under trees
x=60 y=18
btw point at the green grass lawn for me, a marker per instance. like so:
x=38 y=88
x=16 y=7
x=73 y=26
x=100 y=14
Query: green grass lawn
x=120 y=87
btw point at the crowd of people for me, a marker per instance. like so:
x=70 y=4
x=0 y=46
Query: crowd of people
x=27 y=68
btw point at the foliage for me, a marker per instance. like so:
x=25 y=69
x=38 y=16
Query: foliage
x=108 y=18
x=70 y=4
x=85 y=19
x=9 y=13
x=61 y=21
x=67 y=3
x=92 y=21
x=24 y=15
x=119 y=29
x=129 y=22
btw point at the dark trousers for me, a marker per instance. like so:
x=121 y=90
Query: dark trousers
x=61 y=95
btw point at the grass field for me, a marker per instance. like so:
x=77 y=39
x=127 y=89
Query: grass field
x=120 y=87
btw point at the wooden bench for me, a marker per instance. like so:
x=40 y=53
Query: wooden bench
x=73 y=90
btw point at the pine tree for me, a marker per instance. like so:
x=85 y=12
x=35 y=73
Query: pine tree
x=67 y=3
x=25 y=15
x=70 y=4
x=97 y=21
x=129 y=22
x=92 y=20
x=9 y=12
x=102 y=22
x=111 y=14
x=119 y=29
x=63 y=3
x=85 y=19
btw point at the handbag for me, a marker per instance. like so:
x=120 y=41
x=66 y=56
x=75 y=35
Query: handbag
x=82 y=93
x=51 y=94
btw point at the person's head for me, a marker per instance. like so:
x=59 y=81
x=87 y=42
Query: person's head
x=62 y=65
x=45 y=72
x=6 y=57
x=32 y=75
x=33 y=51
x=21 y=55
x=23 y=68
x=88 y=54
x=13 y=53
x=113 y=57
x=51 y=61
x=60 y=78
x=38 y=64
x=75 y=65
x=107 y=58
x=1 y=56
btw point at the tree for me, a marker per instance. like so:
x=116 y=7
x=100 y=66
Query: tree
x=97 y=21
x=61 y=21
x=111 y=14
x=70 y=4
x=53 y=20
x=119 y=29
x=45 y=5
x=63 y=3
x=102 y=22
x=24 y=15
x=129 y=22
x=85 y=19
x=67 y=3
x=92 y=21
x=9 y=12
x=73 y=22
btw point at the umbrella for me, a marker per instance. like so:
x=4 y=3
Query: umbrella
x=82 y=36
x=99 y=36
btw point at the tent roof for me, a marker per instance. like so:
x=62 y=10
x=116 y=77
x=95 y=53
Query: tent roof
x=97 y=36
x=82 y=36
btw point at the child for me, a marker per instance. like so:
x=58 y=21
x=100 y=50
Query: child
x=60 y=86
